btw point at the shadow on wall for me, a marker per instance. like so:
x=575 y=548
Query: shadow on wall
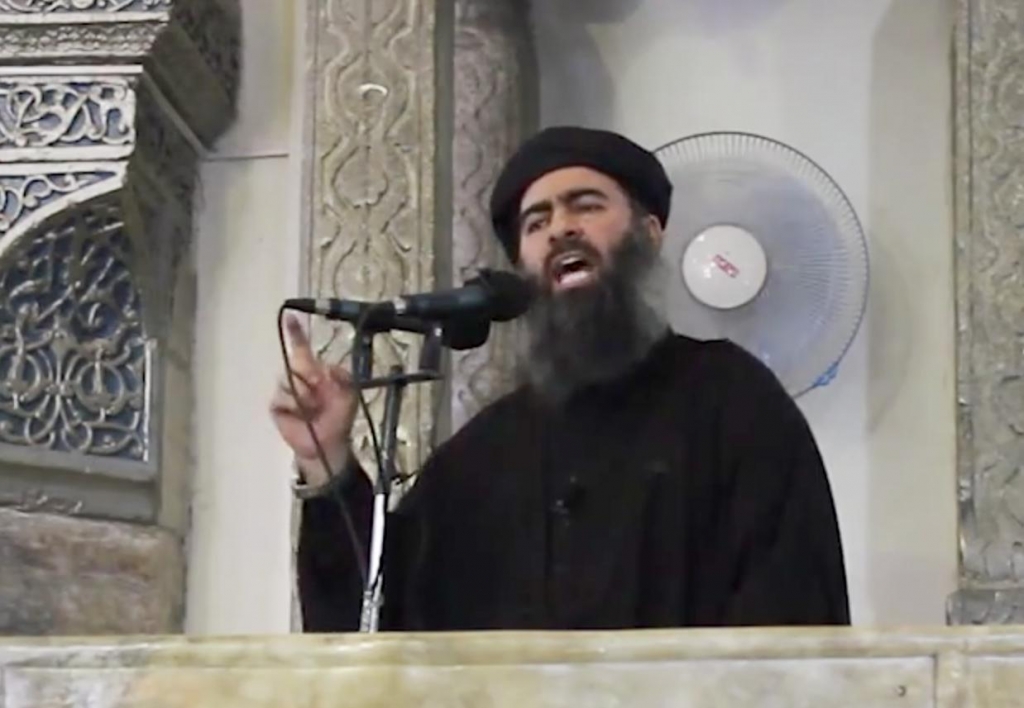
x=911 y=494
x=724 y=16
x=603 y=11
x=576 y=75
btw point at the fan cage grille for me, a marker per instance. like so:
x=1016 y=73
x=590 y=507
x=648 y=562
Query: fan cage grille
x=808 y=313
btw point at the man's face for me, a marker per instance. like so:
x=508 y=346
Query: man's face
x=571 y=221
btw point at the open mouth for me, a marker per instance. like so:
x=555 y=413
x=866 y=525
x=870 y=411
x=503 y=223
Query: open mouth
x=572 y=269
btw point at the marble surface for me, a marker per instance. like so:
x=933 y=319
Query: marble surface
x=944 y=668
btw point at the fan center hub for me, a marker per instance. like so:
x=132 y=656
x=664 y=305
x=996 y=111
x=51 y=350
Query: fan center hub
x=724 y=266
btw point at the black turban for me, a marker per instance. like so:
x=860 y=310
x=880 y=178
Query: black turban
x=637 y=170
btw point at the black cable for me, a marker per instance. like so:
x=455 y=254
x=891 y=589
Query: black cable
x=360 y=554
x=359 y=387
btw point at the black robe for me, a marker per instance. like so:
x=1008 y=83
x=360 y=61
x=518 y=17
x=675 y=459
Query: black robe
x=689 y=493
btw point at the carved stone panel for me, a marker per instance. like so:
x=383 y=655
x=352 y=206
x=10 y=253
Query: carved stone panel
x=376 y=167
x=987 y=606
x=73 y=347
x=189 y=47
x=95 y=205
x=43 y=117
x=370 y=179
x=990 y=300
x=495 y=109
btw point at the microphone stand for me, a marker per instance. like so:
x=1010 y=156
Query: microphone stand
x=394 y=384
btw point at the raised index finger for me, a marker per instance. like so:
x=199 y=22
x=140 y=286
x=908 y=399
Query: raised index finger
x=302 y=352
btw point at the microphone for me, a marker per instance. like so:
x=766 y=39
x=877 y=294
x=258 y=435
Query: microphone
x=498 y=296
x=465 y=312
x=460 y=334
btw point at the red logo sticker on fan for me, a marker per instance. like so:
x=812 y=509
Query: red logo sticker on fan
x=726 y=266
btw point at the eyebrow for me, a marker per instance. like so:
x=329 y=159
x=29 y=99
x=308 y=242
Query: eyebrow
x=566 y=197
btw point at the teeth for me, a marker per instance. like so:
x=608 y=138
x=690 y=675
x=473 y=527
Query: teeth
x=568 y=261
x=571 y=268
x=573 y=277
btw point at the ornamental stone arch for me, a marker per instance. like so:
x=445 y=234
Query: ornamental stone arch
x=105 y=107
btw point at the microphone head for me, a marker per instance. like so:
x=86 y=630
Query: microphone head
x=510 y=295
x=466 y=333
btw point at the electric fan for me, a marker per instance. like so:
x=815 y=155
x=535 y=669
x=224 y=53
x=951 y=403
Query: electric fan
x=767 y=252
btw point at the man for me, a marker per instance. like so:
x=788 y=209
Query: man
x=636 y=478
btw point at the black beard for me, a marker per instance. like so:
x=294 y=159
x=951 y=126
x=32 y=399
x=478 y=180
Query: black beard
x=596 y=333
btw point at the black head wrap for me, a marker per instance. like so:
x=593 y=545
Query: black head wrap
x=637 y=170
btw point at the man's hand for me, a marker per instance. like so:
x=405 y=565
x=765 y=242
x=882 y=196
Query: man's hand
x=324 y=397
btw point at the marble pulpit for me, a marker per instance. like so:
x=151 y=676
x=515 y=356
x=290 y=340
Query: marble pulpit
x=942 y=668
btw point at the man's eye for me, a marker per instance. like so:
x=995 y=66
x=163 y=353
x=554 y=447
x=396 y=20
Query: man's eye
x=532 y=225
x=590 y=206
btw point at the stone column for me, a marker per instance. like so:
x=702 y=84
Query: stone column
x=104 y=107
x=371 y=148
x=989 y=204
x=413 y=109
x=495 y=99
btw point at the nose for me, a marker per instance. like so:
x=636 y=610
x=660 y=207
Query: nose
x=564 y=224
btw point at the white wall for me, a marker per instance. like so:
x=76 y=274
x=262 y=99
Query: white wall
x=248 y=261
x=863 y=87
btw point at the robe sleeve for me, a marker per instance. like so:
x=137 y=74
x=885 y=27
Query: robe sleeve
x=329 y=580
x=784 y=554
